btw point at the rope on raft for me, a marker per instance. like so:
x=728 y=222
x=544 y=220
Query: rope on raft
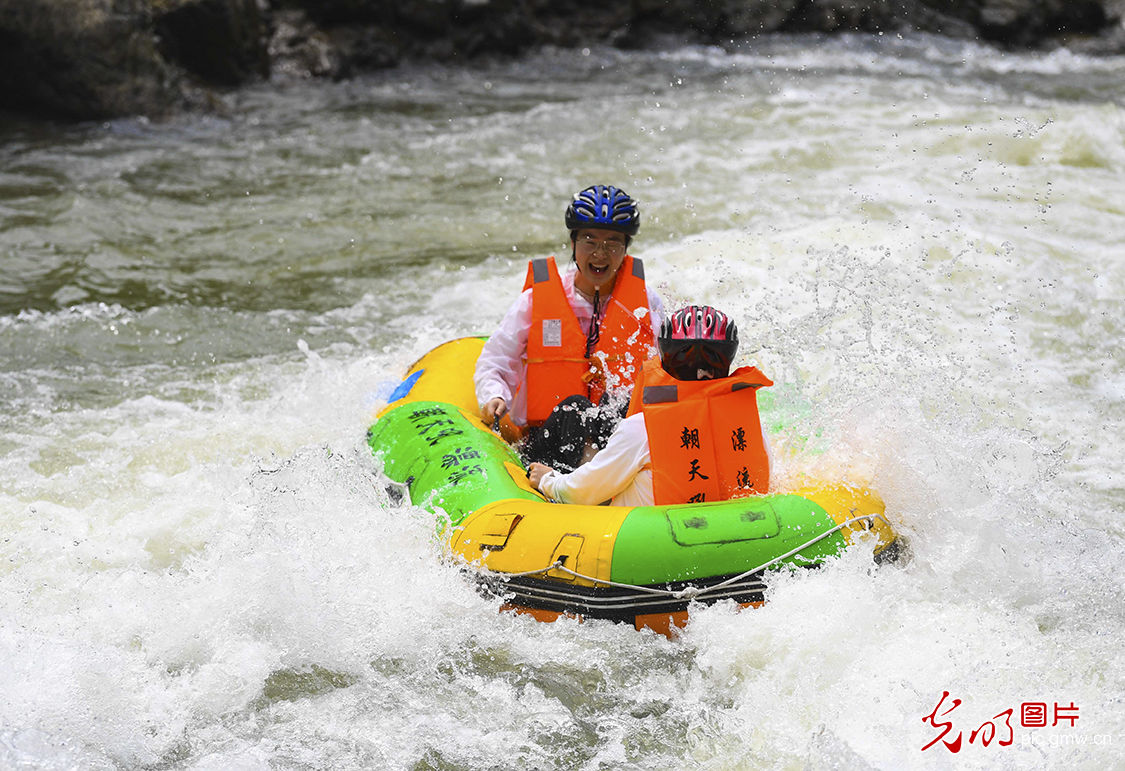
x=695 y=592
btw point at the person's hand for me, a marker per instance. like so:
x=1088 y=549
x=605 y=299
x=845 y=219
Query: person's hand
x=494 y=409
x=536 y=472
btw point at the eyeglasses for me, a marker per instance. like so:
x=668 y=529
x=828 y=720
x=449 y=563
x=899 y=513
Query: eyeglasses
x=609 y=247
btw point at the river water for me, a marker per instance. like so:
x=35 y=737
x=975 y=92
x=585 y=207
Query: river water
x=923 y=243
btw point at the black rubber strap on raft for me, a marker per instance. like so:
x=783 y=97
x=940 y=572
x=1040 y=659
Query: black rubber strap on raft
x=610 y=603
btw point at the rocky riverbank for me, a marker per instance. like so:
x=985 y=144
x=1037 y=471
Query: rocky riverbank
x=96 y=59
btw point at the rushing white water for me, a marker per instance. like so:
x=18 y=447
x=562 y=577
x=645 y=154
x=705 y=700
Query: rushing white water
x=923 y=244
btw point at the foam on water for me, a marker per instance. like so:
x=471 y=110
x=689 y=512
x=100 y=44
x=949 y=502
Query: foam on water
x=200 y=566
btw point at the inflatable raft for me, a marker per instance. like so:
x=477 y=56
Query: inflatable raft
x=642 y=565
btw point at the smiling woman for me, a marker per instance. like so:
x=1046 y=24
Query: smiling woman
x=571 y=345
x=598 y=254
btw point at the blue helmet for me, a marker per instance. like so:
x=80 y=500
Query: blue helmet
x=605 y=207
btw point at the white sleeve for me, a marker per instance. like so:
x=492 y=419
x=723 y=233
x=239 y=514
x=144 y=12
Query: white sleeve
x=656 y=306
x=500 y=364
x=609 y=473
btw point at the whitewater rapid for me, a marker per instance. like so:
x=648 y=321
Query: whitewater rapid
x=923 y=244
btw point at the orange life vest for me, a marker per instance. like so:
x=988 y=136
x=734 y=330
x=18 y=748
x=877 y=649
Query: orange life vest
x=557 y=366
x=704 y=436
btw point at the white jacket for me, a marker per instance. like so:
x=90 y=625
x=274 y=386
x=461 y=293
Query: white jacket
x=621 y=472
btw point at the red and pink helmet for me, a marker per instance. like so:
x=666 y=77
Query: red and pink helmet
x=697 y=341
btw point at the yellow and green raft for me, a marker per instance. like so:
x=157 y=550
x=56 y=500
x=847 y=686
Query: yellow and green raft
x=643 y=565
